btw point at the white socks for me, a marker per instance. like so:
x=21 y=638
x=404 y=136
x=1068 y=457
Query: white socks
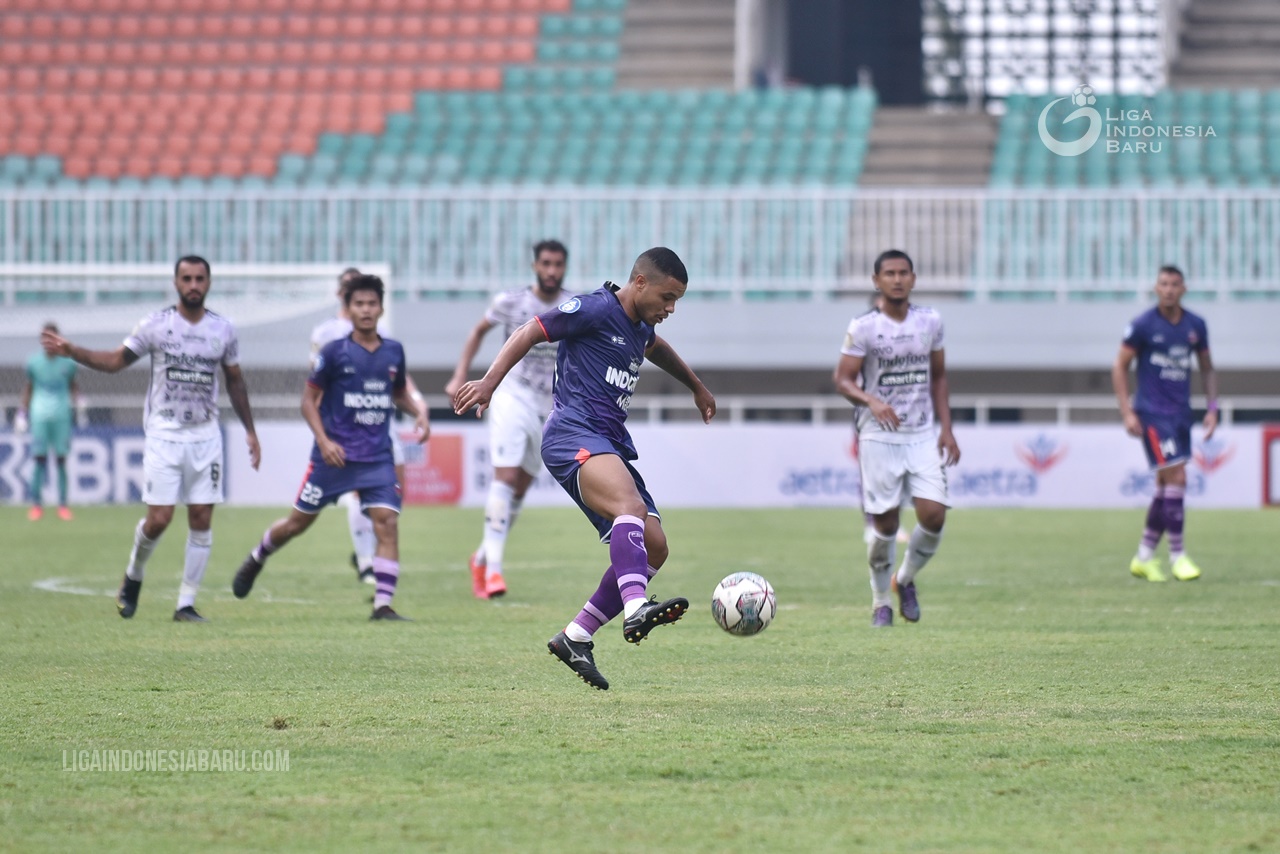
x=363 y=541
x=499 y=513
x=142 y=549
x=922 y=546
x=199 y=544
x=880 y=555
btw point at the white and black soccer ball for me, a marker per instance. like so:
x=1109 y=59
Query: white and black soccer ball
x=744 y=603
x=1082 y=96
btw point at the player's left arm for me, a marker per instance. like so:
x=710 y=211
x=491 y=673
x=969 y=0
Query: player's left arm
x=411 y=402
x=664 y=356
x=21 y=419
x=1210 y=391
x=239 y=394
x=79 y=402
x=940 y=394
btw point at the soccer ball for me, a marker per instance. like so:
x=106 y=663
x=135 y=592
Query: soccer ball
x=744 y=603
x=1082 y=96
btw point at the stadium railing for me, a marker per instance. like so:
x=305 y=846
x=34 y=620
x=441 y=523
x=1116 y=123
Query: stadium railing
x=736 y=410
x=749 y=242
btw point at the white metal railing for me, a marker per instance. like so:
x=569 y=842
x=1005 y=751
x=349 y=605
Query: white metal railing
x=979 y=243
x=734 y=410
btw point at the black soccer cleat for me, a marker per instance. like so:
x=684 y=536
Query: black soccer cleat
x=127 y=598
x=579 y=659
x=188 y=614
x=385 y=612
x=651 y=614
x=245 y=576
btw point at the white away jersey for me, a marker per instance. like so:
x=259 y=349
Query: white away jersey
x=895 y=369
x=536 y=371
x=182 y=397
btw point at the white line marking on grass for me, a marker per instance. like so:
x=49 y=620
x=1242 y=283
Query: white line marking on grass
x=68 y=585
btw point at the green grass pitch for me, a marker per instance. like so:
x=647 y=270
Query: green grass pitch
x=1047 y=701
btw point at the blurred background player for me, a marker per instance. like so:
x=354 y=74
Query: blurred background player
x=46 y=410
x=182 y=457
x=606 y=336
x=363 y=542
x=868 y=521
x=897 y=353
x=1161 y=341
x=519 y=408
x=357 y=383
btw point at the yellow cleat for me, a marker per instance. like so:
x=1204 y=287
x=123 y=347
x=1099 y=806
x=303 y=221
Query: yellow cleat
x=1148 y=569
x=1185 y=570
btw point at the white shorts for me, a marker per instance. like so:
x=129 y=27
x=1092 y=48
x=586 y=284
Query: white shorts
x=515 y=432
x=891 y=473
x=182 y=472
x=397 y=445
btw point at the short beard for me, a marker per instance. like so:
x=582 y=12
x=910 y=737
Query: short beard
x=555 y=286
x=192 y=304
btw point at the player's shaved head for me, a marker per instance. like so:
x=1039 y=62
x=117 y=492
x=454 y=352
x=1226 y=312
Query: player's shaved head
x=660 y=262
x=192 y=259
x=890 y=254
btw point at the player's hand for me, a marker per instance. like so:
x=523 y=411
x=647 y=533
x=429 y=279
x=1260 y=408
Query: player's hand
x=706 y=403
x=1210 y=423
x=255 y=450
x=884 y=414
x=21 y=423
x=475 y=393
x=332 y=453
x=1132 y=425
x=423 y=427
x=55 y=343
x=455 y=383
x=948 y=449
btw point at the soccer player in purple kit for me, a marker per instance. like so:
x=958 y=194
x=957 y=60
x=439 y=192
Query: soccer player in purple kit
x=1161 y=340
x=604 y=337
x=354 y=389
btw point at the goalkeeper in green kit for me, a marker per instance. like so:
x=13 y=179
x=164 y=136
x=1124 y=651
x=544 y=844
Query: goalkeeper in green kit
x=47 y=411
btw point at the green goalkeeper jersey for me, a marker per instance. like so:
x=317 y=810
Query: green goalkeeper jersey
x=50 y=385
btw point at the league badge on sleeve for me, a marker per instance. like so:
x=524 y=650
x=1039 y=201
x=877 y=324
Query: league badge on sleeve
x=571 y=305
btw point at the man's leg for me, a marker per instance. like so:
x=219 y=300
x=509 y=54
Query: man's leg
x=195 y=560
x=363 y=542
x=1175 y=488
x=386 y=561
x=146 y=535
x=273 y=539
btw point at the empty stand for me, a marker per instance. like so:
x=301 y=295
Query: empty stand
x=80 y=80
x=1242 y=152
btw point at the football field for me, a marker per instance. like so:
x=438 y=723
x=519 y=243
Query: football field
x=1047 y=701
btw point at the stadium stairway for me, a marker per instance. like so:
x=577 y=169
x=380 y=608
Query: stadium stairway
x=1229 y=43
x=911 y=146
x=673 y=44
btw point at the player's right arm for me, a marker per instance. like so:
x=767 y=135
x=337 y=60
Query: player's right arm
x=469 y=349
x=330 y=451
x=846 y=374
x=108 y=361
x=1120 y=384
x=21 y=421
x=477 y=393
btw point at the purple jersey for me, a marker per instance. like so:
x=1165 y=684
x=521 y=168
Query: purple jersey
x=359 y=388
x=1163 y=351
x=597 y=366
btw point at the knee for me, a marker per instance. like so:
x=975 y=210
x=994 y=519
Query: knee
x=158 y=519
x=387 y=529
x=933 y=520
x=655 y=545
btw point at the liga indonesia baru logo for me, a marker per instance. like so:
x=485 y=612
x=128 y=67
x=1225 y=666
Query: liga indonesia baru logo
x=1131 y=131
